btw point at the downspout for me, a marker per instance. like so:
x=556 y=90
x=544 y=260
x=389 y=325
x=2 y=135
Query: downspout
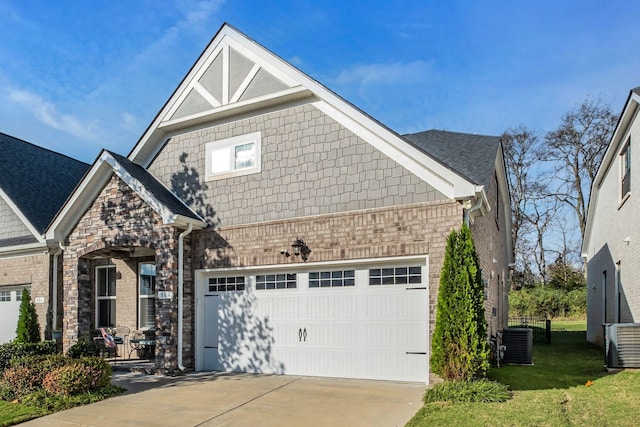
x=467 y=212
x=54 y=296
x=181 y=290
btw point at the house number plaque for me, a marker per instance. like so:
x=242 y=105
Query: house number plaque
x=165 y=294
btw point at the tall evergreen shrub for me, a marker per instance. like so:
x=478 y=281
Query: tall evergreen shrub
x=28 y=330
x=459 y=345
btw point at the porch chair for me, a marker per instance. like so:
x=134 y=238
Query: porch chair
x=121 y=338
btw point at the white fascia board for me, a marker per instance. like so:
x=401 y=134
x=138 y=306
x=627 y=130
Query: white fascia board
x=628 y=116
x=82 y=197
x=22 y=218
x=19 y=251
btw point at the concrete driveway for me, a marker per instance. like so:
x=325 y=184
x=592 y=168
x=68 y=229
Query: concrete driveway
x=222 y=399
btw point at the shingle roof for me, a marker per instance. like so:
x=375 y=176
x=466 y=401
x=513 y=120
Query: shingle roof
x=37 y=180
x=472 y=156
x=155 y=187
x=636 y=90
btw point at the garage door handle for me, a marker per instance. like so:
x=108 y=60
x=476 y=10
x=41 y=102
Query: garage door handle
x=305 y=334
x=416 y=352
x=300 y=334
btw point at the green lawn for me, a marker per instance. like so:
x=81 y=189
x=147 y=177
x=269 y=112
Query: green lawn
x=13 y=413
x=553 y=392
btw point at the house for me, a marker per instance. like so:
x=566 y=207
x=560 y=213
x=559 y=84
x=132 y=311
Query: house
x=611 y=247
x=34 y=184
x=264 y=224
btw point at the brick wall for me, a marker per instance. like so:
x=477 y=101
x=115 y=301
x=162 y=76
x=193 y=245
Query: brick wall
x=489 y=239
x=31 y=270
x=417 y=229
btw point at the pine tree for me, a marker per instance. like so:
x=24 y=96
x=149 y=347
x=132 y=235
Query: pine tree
x=28 y=329
x=459 y=345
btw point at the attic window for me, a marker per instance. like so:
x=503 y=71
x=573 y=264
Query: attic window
x=235 y=156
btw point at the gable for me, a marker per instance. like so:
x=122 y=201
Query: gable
x=236 y=78
x=13 y=230
x=172 y=210
x=230 y=77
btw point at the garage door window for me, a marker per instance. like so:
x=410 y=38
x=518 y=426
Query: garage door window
x=275 y=281
x=331 y=279
x=395 y=276
x=223 y=284
x=5 y=296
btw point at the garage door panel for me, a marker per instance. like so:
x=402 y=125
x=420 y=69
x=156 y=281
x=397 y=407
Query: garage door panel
x=360 y=331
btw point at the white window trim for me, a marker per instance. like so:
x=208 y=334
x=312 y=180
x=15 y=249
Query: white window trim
x=231 y=143
x=98 y=297
x=141 y=297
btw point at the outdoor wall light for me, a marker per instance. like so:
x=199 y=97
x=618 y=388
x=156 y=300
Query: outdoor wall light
x=301 y=249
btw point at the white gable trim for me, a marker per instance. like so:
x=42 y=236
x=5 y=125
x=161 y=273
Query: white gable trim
x=433 y=172
x=22 y=218
x=628 y=116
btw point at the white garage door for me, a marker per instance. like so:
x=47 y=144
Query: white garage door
x=347 y=321
x=9 y=312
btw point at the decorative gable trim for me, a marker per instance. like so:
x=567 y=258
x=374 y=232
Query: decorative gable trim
x=299 y=86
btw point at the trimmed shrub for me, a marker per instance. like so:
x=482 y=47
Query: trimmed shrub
x=100 y=369
x=81 y=376
x=26 y=374
x=16 y=349
x=83 y=349
x=19 y=381
x=477 y=390
x=459 y=346
x=69 y=380
x=28 y=329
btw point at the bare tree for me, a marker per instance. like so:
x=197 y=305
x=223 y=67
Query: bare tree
x=532 y=209
x=576 y=149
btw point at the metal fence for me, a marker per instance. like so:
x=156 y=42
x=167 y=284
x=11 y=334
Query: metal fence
x=541 y=328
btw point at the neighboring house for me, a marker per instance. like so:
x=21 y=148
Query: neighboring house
x=611 y=244
x=34 y=184
x=264 y=224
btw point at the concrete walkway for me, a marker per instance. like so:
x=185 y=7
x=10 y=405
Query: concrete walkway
x=222 y=399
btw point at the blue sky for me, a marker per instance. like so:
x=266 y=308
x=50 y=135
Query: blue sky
x=78 y=76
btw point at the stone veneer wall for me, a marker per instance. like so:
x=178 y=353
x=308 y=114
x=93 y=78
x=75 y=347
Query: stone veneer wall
x=120 y=218
x=417 y=229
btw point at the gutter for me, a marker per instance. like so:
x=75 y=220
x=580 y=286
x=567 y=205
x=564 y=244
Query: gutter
x=467 y=212
x=181 y=291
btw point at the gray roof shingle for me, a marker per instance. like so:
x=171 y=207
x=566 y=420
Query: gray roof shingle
x=472 y=156
x=38 y=181
x=155 y=187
